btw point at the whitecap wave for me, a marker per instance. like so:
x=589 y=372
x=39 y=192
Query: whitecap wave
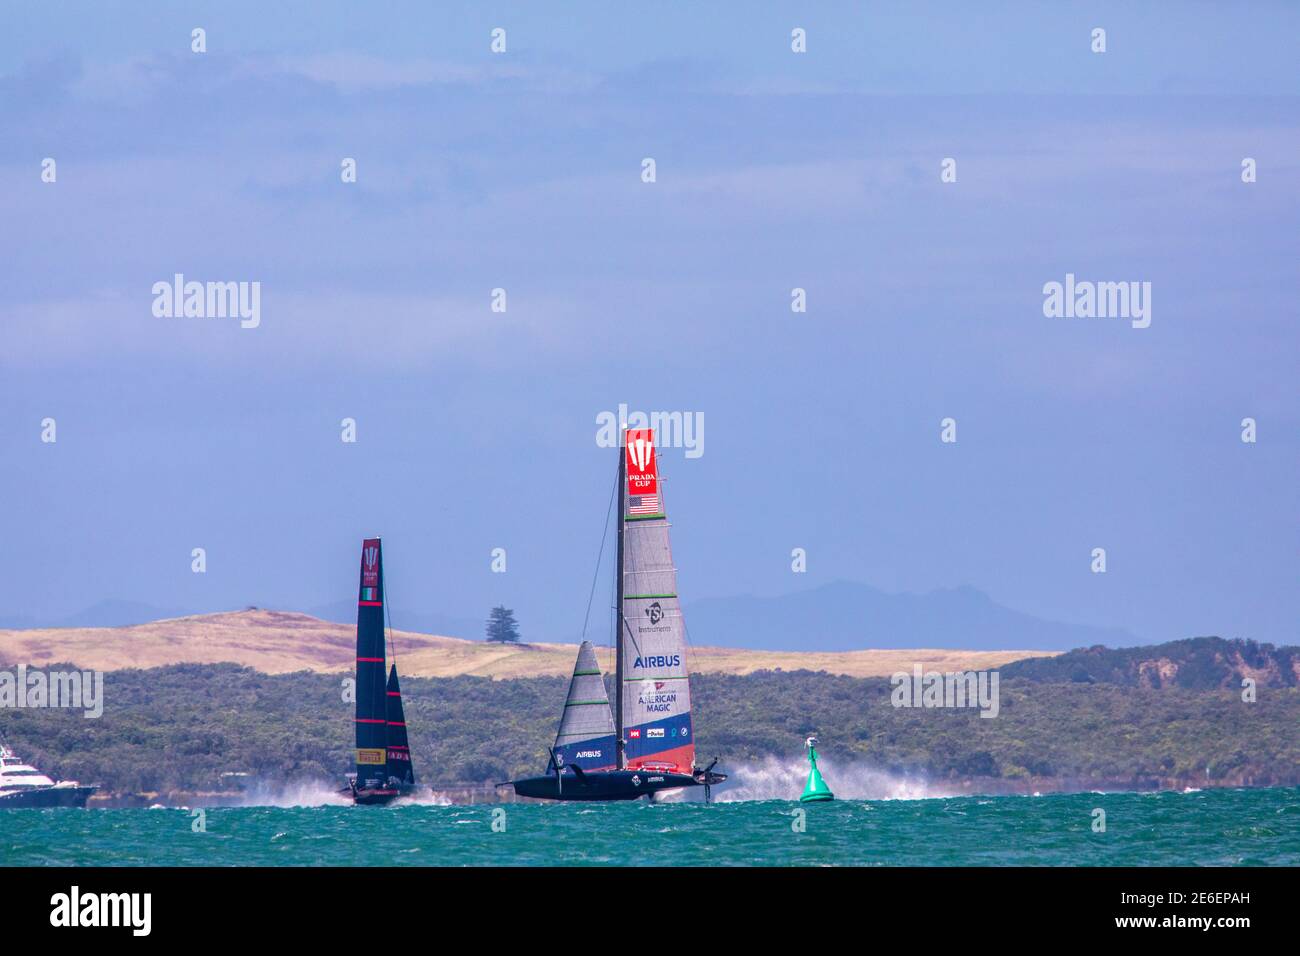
x=302 y=793
x=783 y=778
x=424 y=798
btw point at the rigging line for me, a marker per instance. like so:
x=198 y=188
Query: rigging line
x=595 y=576
x=630 y=636
x=388 y=615
x=687 y=647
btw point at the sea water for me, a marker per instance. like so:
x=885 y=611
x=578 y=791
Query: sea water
x=1246 y=827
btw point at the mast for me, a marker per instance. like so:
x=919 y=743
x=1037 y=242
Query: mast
x=618 y=604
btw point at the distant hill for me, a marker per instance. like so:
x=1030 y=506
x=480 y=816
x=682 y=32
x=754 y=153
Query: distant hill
x=127 y=613
x=842 y=616
x=1199 y=663
x=277 y=642
x=845 y=616
x=181 y=727
x=424 y=622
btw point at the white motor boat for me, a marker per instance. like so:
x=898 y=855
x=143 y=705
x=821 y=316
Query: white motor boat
x=22 y=785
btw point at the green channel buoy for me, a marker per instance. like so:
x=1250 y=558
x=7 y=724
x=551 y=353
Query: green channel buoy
x=816 y=789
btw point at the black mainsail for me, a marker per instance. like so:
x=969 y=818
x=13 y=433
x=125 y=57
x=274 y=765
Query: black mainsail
x=400 y=767
x=383 y=758
x=371 y=719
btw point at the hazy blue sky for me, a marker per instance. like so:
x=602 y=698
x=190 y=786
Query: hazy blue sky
x=775 y=170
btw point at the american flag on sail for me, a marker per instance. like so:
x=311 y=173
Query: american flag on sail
x=643 y=504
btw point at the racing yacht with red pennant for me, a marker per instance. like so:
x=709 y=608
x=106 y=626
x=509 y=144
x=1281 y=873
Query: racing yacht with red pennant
x=652 y=739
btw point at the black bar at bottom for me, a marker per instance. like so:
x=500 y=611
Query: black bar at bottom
x=301 y=904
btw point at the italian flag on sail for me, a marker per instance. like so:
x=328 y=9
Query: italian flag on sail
x=370 y=594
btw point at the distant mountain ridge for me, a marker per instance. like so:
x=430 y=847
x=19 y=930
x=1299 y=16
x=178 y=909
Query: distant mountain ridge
x=470 y=629
x=1198 y=663
x=102 y=614
x=846 y=615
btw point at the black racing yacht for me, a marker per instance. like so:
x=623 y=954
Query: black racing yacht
x=383 y=755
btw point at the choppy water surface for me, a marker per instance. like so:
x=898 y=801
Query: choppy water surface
x=1211 y=827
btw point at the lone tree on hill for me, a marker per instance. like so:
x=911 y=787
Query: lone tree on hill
x=502 y=626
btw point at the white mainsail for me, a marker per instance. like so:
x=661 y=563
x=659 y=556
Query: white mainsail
x=656 y=693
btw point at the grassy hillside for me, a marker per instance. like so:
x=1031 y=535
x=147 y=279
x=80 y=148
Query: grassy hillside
x=280 y=642
x=179 y=727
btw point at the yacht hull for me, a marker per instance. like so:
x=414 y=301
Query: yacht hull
x=377 y=796
x=608 y=784
x=47 y=797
